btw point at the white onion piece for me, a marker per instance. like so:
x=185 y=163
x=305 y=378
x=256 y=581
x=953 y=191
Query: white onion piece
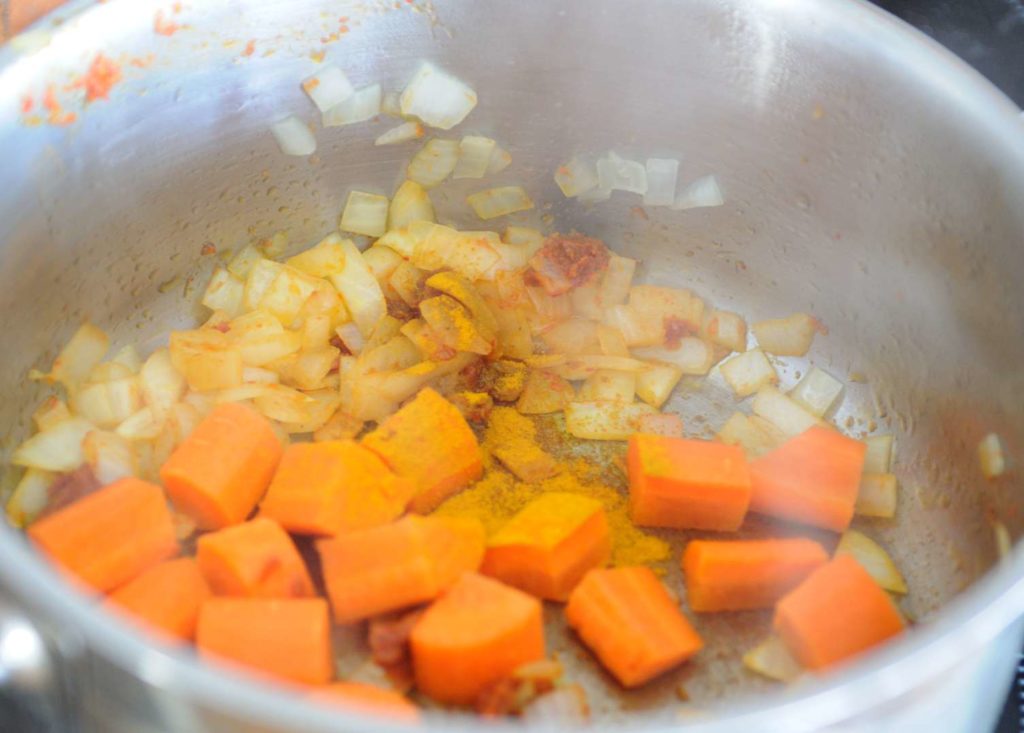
x=576 y=177
x=162 y=385
x=635 y=328
x=128 y=356
x=748 y=372
x=661 y=181
x=328 y=88
x=403 y=133
x=754 y=434
x=80 y=355
x=494 y=202
x=878 y=458
x=437 y=98
x=1004 y=543
x=606 y=385
x=789 y=336
x=474 y=156
x=360 y=290
x=772 y=659
x=224 y=293
x=361 y=106
x=616 y=173
x=294 y=136
x=655 y=384
x=434 y=162
x=692 y=355
x=29 y=497
x=243 y=262
x=992 y=456
x=595 y=194
x=410 y=203
x=143 y=425
x=52 y=411
x=784 y=413
x=877 y=495
x=817 y=391
x=351 y=337
x=365 y=213
x=703 y=192
x=57 y=449
x=605 y=420
x=727 y=329
x=667 y=424
x=109 y=455
x=617 y=280
x=391 y=104
x=500 y=160
x=874 y=559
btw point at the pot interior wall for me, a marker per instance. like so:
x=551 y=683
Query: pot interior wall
x=856 y=190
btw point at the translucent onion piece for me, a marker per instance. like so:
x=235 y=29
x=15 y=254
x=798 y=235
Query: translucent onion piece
x=500 y=160
x=544 y=393
x=294 y=136
x=494 y=202
x=605 y=420
x=789 y=336
x=328 y=88
x=655 y=384
x=817 y=391
x=618 y=279
x=110 y=456
x=361 y=106
x=874 y=559
x=576 y=177
x=434 y=162
x=410 y=203
x=224 y=293
x=595 y=194
x=243 y=262
x=727 y=329
x=661 y=181
x=365 y=213
x=57 y=449
x=474 y=157
x=784 y=413
x=992 y=456
x=755 y=435
x=360 y=290
x=143 y=425
x=437 y=98
x=878 y=458
x=877 y=495
x=703 y=192
x=402 y=133
x=606 y=385
x=772 y=659
x=52 y=411
x=287 y=293
x=128 y=357
x=615 y=173
x=29 y=497
x=693 y=355
x=391 y=105
x=668 y=424
x=162 y=385
x=80 y=355
x=635 y=328
x=748 y=372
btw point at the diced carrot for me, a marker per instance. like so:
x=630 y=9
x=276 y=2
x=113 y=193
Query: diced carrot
x=472 y=636
x=256 y=559
x=687 y=484
x=221 y=470
x=549 y=546
x=332 y=486
x=107 y=538
x=742 y=574
x=630 y=622
x=839 y=611
x=429 y=441
x=165 y=598
x=812 y=478
x=369 y=699
x=396 y=565
x=287 y=638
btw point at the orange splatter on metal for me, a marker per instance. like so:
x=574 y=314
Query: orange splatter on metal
x=208 y=249
x=102 y=75
x=250 y=48
x=27 y=103
x=163 y=26
x=317 y=56
x=310 y=84
x=142 y=62
x=57 y=115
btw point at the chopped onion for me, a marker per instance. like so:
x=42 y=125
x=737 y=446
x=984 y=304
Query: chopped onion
x=693 y=356
x=437 y=98
x=727 y=329
x=544 y=393
x=611 y=341
x=772 y=659
x=391 y=104
x=407 y=281
x=288 y=293
x=500 y=160
x=261 y=349
x=106 y=404
x=606 y=385
x=397 y=353
x=655 y=384
x=790 y=336
x=360 y=290
x=57 y=449
x=748 y=372
x=636 y=329
x=365 y=213
x=294 y=136
x=1004 y=543
x=575 y=336
x=877 y=495
x=561 y=709
x=29 y=497
x=615 y=173
x=667 y=424
x=284 y=404
x=410 y=203
x=224 y=293
x=617 y=280
x=605 y=420
x=784 y=413
x=471 y=254
x=242 y=263
x=361 y=106
x=261 y=276
x=662 y=305
x=324 y=259
x=754 y=434
x=52 y=411
x=401 y=134
x=661 y=181
x=257 y=375
x=434 y=162
x=878 y=458
x=703 y=192
x=817 y=391
x=142 y=425
x=494 y=202
x=874 y=559
x=595 y=194
x=328 y=88
x=576 y=177
x=474 y=156
x=162 y=385
x=80 y=355
x=581 y=367
x=992 y=456
x=110 y=456
x=128 y=357
x=382 y=262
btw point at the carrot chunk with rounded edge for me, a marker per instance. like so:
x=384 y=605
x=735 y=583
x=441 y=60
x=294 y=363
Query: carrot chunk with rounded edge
x=736 y=575
x=472 y=636
x=369 y=699
x=332 y=486
x=287 y=638
x=166 y=598
x=812 y=478
x=687 y=484
x=429 y=441
x=839 y=611
x=549 y=546
x=386 y=568
x=107 y=538
x=630 y=622
x=255 y=559
x=221 y=470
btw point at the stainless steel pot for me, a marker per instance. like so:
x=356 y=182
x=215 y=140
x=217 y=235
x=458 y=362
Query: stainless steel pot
x=870 y=177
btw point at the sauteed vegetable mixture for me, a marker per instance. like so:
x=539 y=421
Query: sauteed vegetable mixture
x=390 y=434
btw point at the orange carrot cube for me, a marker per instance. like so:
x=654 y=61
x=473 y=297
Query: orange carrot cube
x=166 y=598
x=255 y=559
